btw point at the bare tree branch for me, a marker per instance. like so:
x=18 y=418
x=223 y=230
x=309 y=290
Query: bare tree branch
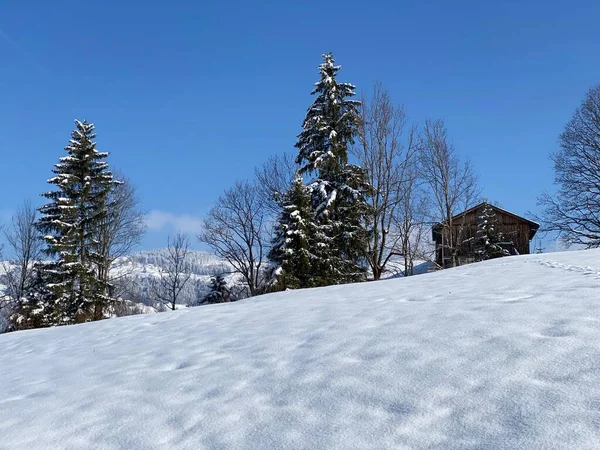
x=574 y=212
x=386 y=148
x=411 y=222
x=173 y=278
x=121 y=230
x=274 y=178
x=24 y=249
x=236 y=230
x=452 y=183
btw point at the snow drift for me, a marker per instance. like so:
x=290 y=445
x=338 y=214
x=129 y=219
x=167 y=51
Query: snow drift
x=496 y=355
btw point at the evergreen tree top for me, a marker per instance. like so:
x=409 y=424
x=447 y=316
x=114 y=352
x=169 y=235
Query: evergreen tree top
x=82 y=139
x=84 y=127
x=81 y=151
x=298 y=181
x=83 y=168
x=330 y=123
x=328 y=71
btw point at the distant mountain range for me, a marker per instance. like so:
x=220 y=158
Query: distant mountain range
x=134 y=275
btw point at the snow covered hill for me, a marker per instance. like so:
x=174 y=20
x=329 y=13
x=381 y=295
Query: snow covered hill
x=497 y=355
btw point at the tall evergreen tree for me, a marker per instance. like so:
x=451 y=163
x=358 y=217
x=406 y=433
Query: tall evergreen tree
x=70 y=221
x=488 y=237
x=291 y=245
x=339 y=187
x=329 y=126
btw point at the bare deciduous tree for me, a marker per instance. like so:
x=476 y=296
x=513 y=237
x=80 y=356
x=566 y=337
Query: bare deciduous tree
x=236 y=230
x=574 y=212
x=274 y=178
x=122 y=228
x=452 y=183
x=386 y=149
x=411 y=223
x=172 y=279
x=24 y=249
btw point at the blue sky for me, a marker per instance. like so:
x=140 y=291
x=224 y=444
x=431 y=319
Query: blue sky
x=187 y=96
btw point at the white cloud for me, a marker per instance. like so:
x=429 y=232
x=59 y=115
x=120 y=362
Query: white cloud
x=186 y=223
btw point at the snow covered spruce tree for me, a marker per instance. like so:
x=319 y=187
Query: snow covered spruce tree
x=219 y=292
x=488 y=237
x=69 y=222
x=36 y=308
x=294 y=236
x=338 y=189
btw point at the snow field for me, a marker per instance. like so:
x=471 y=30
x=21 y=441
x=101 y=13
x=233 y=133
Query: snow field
x=503 y=354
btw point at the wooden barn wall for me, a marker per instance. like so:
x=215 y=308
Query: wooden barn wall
x=512 y=228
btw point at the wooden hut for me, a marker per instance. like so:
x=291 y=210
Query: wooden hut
x=454 y=243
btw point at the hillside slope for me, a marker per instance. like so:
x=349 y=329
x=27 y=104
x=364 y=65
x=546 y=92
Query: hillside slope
x=497 y=355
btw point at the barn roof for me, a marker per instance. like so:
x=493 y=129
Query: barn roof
x=533 y=226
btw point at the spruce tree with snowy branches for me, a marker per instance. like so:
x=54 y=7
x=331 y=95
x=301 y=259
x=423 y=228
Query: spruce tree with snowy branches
x=338 y=190
x=219 y=292
x=69 y=223
x=488 y=237
x=291 y=245
x=36 y=308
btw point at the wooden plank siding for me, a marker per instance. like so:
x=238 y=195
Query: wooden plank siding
x=517 y=232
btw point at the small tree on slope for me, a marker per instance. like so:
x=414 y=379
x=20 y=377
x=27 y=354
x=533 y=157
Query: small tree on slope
x=219 y=293
x=338 y=190
x=488 y=238
x=69 y=222
x=36 y=308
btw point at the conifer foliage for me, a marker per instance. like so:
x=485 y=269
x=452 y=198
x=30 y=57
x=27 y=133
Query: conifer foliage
x=294 y=234
x=330 y=124
x=337 y=191
x=219 y=292
x=69 y=223
x=488 y=237
x=35 y=309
